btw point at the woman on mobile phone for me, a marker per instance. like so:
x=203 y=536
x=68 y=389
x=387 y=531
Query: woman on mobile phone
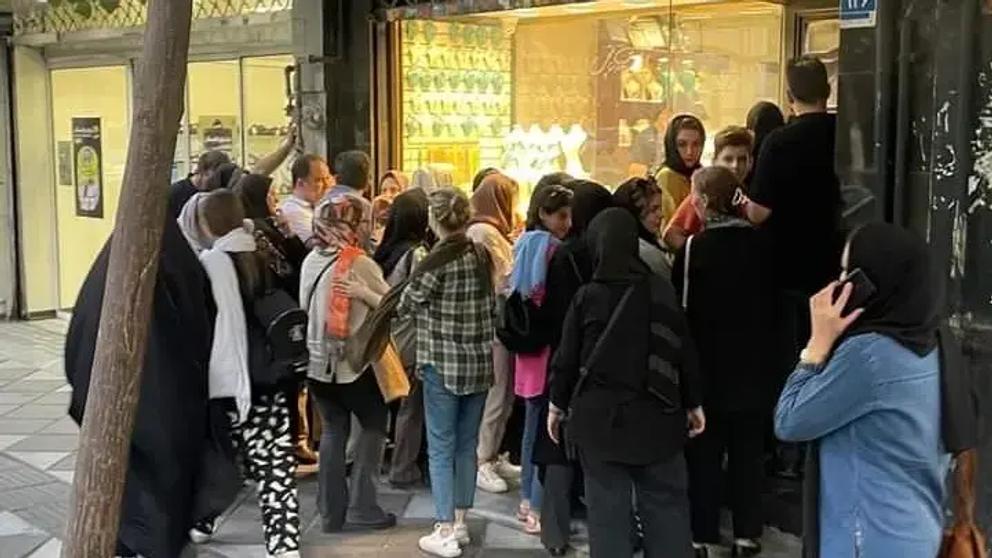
x=869 y=391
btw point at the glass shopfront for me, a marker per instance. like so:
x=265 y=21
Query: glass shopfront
x=234 y=105
x=571 y=87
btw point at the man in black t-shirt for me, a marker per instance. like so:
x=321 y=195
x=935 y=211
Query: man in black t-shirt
x=795 y=190
x=796 y=195
x=207 y=165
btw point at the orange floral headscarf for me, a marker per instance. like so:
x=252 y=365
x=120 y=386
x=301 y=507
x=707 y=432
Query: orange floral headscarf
x=340 y=228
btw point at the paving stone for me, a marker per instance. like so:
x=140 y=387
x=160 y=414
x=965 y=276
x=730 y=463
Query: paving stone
x=23 y=426
x=67 y=463
x=12 y=524
x=10 y=374
x=56 y=398
x=7 y=440
x=18 y=546
x=62 y=426
x=47 y=374
x=51 y=549
x=12 y=479
x=17 y=399
x=28 y=497
x=501 y=536
x=47 y=442
x=33 y=386
x=35 y=410
x=39 y=459
x=48 y=516
x=64 y=476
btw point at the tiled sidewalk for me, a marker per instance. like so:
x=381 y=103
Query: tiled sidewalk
x=37 y=458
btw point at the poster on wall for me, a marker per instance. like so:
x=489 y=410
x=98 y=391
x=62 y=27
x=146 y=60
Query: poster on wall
x=65 y=163
x=87 y=155
x=217 y=133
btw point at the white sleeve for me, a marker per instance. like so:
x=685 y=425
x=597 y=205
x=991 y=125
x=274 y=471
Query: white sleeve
x=228 y=370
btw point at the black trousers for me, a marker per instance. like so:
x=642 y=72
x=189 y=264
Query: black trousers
x=740 y=437
x=556 y=505
x=662 y=503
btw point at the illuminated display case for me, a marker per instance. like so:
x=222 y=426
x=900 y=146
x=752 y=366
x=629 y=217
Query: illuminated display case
x=570 y=87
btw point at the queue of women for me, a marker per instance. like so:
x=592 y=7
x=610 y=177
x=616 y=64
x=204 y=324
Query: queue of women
x=654 y=368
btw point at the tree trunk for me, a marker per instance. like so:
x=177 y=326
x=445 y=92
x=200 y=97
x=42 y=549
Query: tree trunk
x=120 y=348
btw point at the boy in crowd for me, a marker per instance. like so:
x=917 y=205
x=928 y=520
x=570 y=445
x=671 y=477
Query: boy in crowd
x=734 y=145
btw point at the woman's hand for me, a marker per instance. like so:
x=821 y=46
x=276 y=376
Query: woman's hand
x=828 y=321
x=697 y=421
x=554 y=422
x=350 y=288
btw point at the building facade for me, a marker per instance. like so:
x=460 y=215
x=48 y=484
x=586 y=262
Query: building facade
x=71 y=112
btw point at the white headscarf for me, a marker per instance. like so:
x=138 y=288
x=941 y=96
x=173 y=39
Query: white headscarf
x=229 y=376
x=189 y=223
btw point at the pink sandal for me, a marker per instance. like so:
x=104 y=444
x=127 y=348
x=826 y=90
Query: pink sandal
x=523 y=512
x=532 y=525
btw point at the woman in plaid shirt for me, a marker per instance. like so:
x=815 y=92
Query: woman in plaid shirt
x=454 y=307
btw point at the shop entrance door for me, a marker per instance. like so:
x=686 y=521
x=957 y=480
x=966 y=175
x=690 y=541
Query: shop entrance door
x=89 y=128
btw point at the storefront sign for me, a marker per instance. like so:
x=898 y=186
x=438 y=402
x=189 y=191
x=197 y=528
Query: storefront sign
x=856 y=14
x=65 y=163
x=88 y=157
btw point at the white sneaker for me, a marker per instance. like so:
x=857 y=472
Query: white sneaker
x=489 y=481
x=438 y=544
x=462 y=535
x=290 y=554
x=506 y=469
x=202 y=532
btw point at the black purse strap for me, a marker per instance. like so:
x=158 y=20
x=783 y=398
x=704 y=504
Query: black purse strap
x=600 y=342
x=313 y=290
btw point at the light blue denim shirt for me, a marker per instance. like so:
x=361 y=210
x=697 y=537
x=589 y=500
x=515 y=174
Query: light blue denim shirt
x=875 y=408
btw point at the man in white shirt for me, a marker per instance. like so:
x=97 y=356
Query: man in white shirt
x=311 y=179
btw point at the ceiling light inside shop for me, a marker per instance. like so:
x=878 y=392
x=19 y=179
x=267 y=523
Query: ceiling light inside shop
x=636 y=63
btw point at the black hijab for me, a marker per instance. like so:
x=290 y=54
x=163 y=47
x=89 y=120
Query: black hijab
x=613 y=240
x=254 y=192
x=763 y=119
x=406 y=227
x=907 y=308
x=904 y=307
x=588 y=200
x=672 y=158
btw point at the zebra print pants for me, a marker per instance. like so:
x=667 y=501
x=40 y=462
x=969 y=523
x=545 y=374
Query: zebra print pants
x=266 y=447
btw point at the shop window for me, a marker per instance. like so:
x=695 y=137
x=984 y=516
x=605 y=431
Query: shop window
x=572 y=87
x=214 y=114
x=266 y=121
x=89 y=128
x=821 y=38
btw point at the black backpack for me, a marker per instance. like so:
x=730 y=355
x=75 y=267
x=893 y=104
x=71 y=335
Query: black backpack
x=277 y=339
x=523 y=327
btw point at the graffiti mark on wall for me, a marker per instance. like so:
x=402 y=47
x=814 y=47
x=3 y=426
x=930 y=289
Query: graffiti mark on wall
x=980 y=181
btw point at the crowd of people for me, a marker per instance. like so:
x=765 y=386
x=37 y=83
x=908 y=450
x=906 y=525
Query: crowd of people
x=652 y=332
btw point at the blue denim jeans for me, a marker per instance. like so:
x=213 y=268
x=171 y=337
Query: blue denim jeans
x=452 y=436
x=530 y=481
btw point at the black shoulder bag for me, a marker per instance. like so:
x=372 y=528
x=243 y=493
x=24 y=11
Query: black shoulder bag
x=584 y=370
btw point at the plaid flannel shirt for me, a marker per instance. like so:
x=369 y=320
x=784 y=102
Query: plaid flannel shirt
x=455 y=317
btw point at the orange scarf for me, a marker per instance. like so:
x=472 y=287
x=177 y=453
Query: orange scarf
x=339 y=305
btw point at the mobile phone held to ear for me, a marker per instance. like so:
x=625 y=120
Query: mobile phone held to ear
x=862 y=291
